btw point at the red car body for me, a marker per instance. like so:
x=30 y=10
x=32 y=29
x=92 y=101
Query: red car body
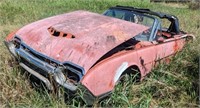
x=92 y=50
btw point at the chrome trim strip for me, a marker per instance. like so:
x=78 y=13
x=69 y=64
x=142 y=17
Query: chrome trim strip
x=35 y=61
x=43 y=79
x=56 y=61
x=61 y=79
x=11 y=48
x=58 y=75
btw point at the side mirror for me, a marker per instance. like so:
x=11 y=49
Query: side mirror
x=160 y=40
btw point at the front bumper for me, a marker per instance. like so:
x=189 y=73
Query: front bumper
x=22 y=55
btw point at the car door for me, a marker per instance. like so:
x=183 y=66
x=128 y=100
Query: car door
x=147 y=57
x=168 y=47
x=147 y=54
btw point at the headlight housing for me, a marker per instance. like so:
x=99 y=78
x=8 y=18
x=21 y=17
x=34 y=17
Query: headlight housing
x=61 y=79
x=11 y=47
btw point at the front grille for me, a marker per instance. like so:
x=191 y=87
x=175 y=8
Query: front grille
x=68 y=66
x=35 y=68
x=52 y=62
x=44 y=59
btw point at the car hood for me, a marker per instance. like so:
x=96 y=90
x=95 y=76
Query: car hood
x=89 y=36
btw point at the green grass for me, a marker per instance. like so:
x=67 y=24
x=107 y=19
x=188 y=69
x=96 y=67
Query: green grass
x=169 y=85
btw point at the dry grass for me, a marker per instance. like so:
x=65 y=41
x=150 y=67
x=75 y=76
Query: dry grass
x=169 y=85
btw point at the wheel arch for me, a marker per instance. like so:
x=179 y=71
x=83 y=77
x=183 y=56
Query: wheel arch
x=133 y=70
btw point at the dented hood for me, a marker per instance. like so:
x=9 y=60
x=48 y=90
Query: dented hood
x=93 y=36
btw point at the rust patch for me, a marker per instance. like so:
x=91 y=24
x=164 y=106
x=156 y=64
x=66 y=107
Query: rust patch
x=111 y=39
x=120 y=35
x=11 y=35
x=111 y=84
x=57 y=33
x=79 y=48
x=176 y=47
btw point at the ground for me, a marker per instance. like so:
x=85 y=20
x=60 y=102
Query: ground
x=169 y=85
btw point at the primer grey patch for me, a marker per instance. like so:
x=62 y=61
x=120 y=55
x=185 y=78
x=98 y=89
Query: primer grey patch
x=120 y=70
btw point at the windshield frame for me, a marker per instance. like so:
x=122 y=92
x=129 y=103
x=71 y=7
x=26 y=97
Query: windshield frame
x=154 y=26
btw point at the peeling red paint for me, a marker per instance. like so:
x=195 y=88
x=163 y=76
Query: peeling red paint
x=107 y=32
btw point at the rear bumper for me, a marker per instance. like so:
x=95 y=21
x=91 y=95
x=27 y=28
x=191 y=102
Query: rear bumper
x=21 y=55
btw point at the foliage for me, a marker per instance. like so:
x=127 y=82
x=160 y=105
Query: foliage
x=168 y=85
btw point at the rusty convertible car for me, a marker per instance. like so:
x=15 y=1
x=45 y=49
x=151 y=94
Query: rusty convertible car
x=92 y=51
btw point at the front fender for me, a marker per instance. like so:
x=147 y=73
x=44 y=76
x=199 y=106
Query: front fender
x=102 y=78
x=11 y=35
